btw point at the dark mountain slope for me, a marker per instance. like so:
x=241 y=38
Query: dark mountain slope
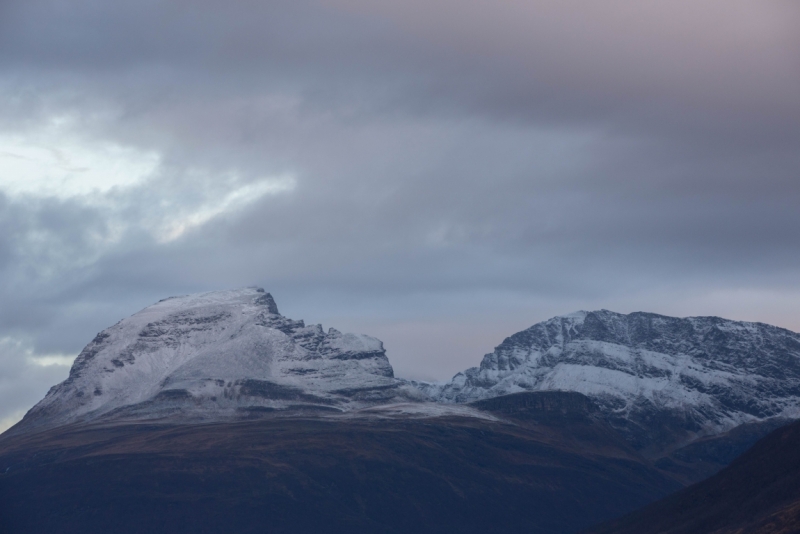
x=293 y=474
x=758 y=493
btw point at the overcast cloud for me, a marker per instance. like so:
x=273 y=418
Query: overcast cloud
x=436 y=173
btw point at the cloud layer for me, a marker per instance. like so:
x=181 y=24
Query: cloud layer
x=438 y=174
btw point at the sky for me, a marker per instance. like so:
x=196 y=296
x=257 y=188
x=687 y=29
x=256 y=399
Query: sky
x=438 y=174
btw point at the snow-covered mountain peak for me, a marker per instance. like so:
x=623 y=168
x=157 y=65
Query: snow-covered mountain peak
x=662 y=381
x=216 y=354
x=695 y=376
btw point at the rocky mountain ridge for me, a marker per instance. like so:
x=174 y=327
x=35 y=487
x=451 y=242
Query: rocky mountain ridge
x=216 y=355
x=661 y=381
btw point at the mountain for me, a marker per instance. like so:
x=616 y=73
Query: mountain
x=663 y=382
x=216 y=356
x=758 y=493
x=215 y=413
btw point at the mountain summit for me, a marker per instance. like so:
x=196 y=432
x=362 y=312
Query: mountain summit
x=661 y=381
x=216 y=355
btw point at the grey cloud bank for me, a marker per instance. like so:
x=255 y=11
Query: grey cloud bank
x=438 y=175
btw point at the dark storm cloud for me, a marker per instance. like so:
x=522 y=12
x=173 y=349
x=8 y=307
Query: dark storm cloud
x=565 y=60
x=488 y=163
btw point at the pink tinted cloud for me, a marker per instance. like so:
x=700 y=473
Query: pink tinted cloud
x=719 y=53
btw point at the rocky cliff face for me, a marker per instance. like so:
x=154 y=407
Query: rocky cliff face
x=661 y=381
x=216 y=355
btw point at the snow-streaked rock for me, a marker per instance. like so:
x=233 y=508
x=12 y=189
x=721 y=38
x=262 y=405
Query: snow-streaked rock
x=662 y=381
x=217 y=355
x=657 y=379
